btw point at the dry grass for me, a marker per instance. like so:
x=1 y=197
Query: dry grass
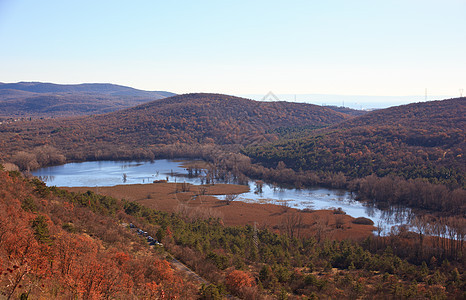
x=167 y=197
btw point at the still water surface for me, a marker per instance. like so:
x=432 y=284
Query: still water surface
x=111 y=173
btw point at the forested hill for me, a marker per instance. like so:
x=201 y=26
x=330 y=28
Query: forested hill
x=421 y=140
x=215 y=117
x=36 y=99
x=190 y=118
x=432 y=115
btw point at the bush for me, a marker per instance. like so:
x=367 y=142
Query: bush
x=339 y=211
x=236 y=280
x=363 y=221
x=210 y=292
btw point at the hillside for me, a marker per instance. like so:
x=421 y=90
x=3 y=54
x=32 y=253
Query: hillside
x=35 y=99
x=56 y=245
x=432 y=115
x=190 y=118
x=421 y=140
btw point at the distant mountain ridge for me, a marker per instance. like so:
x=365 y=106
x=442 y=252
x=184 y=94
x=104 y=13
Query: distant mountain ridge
x=37 y=99
x=99 y=88
x=347 y=110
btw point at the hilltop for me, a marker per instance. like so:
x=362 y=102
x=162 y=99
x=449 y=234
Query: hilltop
x=37 y=99
x=441 y=114
x=347 y=110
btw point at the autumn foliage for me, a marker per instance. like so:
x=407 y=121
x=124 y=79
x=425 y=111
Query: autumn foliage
x=236 y=280
x=39 y=258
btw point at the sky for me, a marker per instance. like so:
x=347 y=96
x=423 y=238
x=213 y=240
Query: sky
x=374 y=48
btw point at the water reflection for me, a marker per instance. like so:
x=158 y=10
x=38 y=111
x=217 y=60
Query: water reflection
x=46 y=178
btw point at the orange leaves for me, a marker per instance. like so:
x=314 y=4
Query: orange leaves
x=153 y=290
x=237 y=279
x=159 y=270
x=120 y=258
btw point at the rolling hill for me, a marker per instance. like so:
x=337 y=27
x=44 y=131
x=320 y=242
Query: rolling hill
x=36 y=99
x=190 y=118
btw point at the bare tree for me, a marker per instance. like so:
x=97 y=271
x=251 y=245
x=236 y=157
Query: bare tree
x=230 y=197
x=47 y=155
x=421 y=225
x=380 y=228
x=26 y=161
x=292 y=224
x=202 y=190
x=321 y=228
x=339 y=221
x=259 y=186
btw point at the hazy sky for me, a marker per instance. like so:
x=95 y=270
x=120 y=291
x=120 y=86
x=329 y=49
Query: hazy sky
x=356 y=47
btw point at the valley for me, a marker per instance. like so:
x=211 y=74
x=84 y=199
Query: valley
x=407 y=158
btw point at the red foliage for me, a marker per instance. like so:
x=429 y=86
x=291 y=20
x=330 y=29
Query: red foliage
x=69 y=265
x=237 y=279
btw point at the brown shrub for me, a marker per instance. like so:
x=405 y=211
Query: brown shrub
x=363 y=221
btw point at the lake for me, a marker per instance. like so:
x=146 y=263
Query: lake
x=111 y=173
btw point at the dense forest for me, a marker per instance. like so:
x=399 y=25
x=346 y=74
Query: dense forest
x=70 y=245
x=46 y=100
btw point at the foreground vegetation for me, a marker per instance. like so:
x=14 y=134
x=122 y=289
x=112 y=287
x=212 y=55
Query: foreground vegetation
x=59 y=244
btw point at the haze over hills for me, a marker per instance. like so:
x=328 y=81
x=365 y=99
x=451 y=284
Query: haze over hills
x=37 y=99
x=347 y=110
x=359 y=102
